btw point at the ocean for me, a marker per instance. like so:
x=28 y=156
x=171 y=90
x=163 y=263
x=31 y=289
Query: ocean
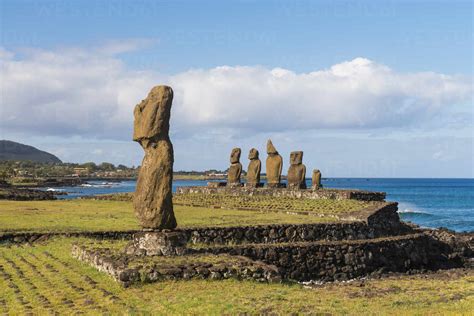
x=427 y=202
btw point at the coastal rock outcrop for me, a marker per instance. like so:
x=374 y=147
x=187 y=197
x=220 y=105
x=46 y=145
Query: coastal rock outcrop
x=274 y=166
x=254 y=169
x=153 y=196
x=235 y=169
x=297 y=171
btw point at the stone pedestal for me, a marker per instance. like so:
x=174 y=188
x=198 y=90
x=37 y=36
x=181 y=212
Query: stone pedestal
x=254 y=185
x=157 y=243
x=297 y=186
x=276 y=185
x=216 y=184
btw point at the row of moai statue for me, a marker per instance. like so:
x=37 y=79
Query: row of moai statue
x=274 y=165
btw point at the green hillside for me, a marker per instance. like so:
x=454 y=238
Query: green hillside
x=19 y=152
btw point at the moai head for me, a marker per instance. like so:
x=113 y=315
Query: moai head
x=271 y=150
x=235 y=155
x=253 y=154
x=296 y=157
x=152 y=122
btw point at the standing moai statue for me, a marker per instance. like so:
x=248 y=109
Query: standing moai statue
x=316 y=179
x=253 y=171
x=152 y=201
x=274 y=166
x=297 y=171
x=235 y=169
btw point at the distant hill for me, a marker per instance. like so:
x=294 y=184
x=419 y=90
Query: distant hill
x=15 y=151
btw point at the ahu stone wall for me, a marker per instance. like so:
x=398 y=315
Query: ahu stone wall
x=335 y=194
x=329 y=261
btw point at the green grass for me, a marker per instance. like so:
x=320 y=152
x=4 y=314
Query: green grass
x=91 y=215
x=47 y=279
x=323 y=207
x=320 y=207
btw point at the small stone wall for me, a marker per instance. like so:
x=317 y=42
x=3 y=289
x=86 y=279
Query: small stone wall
x=124 y=270
x=298 y=261
x=335 y=194
x=329 y=261
x=374 y=222
x=30 y=237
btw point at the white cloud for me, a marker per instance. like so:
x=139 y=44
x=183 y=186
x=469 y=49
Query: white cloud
x=92 y=93
x=354 y=94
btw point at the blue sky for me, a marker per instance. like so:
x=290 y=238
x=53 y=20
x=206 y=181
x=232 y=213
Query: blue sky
x=365 y=88
x=299 y=35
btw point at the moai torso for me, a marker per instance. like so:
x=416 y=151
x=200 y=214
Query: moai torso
x=316 y=179
x=253 y=171
x=235 y=169
x=153 y=195
x=274 y=165
x=297 y=171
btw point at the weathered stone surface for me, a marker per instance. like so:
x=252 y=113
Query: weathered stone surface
x=235 y=169
x=158 y=243
x=297 y=171
x=302 y=261
x=316 y=179
x=330 y=261
x=254 y=169
x=153 y=196
x=335 y=194
x=274 y=166
x=128 y=270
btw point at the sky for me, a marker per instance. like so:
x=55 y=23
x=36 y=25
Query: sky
x=364 y=88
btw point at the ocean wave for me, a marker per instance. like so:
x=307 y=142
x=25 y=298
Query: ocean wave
x=415 y=214
x=408 y=211
x=99 y=185
x=54 y=190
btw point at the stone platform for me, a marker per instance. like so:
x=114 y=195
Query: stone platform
x=374 y=243
x=336 y=194
x=132 y=269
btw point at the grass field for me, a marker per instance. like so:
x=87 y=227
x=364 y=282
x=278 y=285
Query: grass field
x=322 y=207
x=44 y=279
x=92 y=215
x=319 y=207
